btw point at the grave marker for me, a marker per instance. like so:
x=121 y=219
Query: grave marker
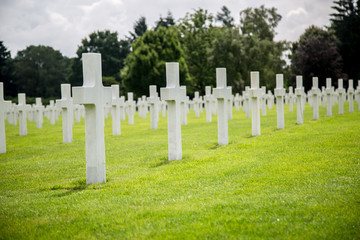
x=351 y=95
x=93 y=95
x=154 y=102
x=255 y=94
x=208 y=103
x=39 y=111
x=341 y=92
x=116 y=103
x=4 y=107
x=22 y=109
x=66 y=104
x=279 y=94
x=299 y=100
x=222 y=93
x=329 y=92
x=315 y=95
x=173 y=94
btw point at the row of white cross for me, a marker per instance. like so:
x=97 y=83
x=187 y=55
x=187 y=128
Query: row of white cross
x=94 y=97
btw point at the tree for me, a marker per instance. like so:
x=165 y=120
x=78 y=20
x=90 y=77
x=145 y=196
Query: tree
x=113 y=53
x=165 y=22
x=259 y=50
x=316 y=55
x=6 y=71
x=39 y=71
x=140 y=28
x=225 y=18
x=197 y=32
x=346 y=24
x=145 y=65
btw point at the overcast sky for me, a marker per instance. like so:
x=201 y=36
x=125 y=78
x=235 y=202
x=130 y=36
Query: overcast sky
x=63 y=23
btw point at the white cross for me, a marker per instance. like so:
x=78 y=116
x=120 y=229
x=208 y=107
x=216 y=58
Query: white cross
x=51 y=110
x=22 y=107
x=154 y=102
x=197 y=102
x=93 y=95
x=350 y=93
x=208 y=103
x=315 y=97
x=173 y=94
x=329 y=92
x=341 y=92
x=222 y=93
x=279 y=94
x=39 y=111
x=130 y=108
x=4 y=107
x=116 y=103
x=66 y=105
x=299 y=92
x=254 y=95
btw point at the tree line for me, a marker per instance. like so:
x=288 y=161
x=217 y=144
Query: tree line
x=200 y=42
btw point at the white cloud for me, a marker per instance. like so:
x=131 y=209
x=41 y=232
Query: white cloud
x=63 y=23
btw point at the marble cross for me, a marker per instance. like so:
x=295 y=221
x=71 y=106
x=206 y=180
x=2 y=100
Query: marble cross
x=299 y=92
x=4 y=107
x=315 y=98
x=329 y=92
x=208 y=103
x=93 y=95
x=39 y=111
x=341 y=92
x=130 y=108
x=22 y=108
x=254 y=95
x=66 y=105
x=154 y=102
x=279 y=94
x=173 y=94
x=116 y=103
x=350 y=93
x=222 y=93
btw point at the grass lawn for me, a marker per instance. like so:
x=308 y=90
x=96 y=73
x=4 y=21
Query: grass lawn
x=302 y=182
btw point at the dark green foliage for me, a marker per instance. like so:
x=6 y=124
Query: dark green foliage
x=6 y=71
x=145 y=65
x=259 y=50
x=225 y=17
x=39 y=71
x=165 y=22
x=316 y=55
x=197 y=36
x=346 y=24
x=113 y=53
x=140 y=28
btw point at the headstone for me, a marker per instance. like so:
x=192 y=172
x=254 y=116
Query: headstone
x=357 y=95
x=230 y=105
x=323 y=96
x=208 y=103
x=130 y=108
x=329 y=92
x=291 y=99
x=154 y=102
x=197 y=102
x=341 y=92
x=122 y=109
x=255 y=94
x=270 y=99
x=263 y=99
x=237 y=101
x=51 y=110
x=222 y=93
x=39 y=111
x=66 y=104
x=116 y=103
x=144 y=106
x=163 y=108
x=184 y=109
x=279 y=94
x=77 y=112
x=247 y=102
x=22 y=109
x=173 y=94
x=350 y=93
x=315 y=98
x=4 y=107
x=299 y=100
x=93 y=95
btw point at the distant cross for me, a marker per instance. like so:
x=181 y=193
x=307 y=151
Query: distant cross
x=116 y=104
x=279 y=94
x=291 y=99
x=208 y=103
x=4 y=107
x=154 y=102
x=93 y=95
x=341 y=92
x=254 y=95
x=315 y=98
x=357 y=95
x=51 y=109
x=329 y=92
x=66 y=105
x=130 y=108
x=299 y=99
x=197 y=102
x=173 y=94
x=22 y=107
x=222 y=93
x=39 y=111
x=350 y=93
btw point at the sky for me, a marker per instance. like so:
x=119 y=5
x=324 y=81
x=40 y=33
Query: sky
x=62 y=24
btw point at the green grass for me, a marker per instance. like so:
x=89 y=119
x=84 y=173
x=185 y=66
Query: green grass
x=302 y=182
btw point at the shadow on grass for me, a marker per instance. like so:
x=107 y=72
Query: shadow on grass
x=163 y=162
x=79 y=185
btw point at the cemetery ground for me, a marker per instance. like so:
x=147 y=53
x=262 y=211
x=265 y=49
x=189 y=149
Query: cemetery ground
x=302 y=182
